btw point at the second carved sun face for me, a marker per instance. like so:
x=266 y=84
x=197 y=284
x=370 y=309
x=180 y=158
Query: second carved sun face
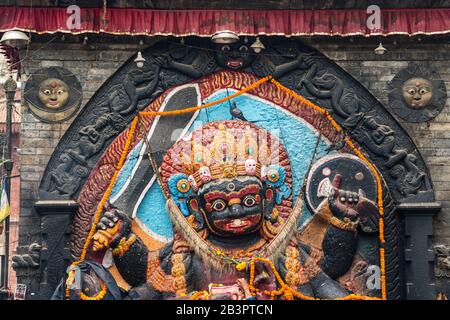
x=417 y=92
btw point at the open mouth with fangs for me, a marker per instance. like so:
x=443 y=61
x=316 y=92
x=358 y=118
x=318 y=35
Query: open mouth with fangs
x=239 y=224
x=235 y=64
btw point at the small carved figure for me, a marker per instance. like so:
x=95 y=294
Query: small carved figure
x=380 y=139
x=343 y=102
x=409 y=178
x=123 y=98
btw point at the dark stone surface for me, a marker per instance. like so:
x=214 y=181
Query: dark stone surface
x=419 y=257
x=55 y=253
x=296 y=66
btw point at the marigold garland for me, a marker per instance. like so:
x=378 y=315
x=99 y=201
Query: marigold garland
x=285 y=290
x=206 y=105
x=200 y=294
x=99 y=296
x=352 y=146
x=105 y=198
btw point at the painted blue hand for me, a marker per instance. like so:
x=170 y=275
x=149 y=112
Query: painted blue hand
x=282 y=193
x=181 y=203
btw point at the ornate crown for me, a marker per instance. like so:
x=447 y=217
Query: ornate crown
x=231 y=153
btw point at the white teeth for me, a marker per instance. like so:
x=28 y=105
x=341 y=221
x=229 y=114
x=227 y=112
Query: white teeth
x=237 y=222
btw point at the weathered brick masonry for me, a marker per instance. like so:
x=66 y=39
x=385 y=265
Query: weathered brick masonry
x=93 y=64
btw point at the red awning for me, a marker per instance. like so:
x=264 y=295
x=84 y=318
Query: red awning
x=244 y=22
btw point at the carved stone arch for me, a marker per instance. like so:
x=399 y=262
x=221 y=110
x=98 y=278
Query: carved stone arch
x=293 y=64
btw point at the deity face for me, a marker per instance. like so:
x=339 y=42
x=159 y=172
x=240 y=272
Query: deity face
x=53 y=93
x=234 y=56
x=417 y=92
x=232 y=206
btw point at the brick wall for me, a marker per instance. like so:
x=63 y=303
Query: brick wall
x=93 y=64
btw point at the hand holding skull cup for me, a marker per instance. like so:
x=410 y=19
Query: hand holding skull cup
x=343 y=203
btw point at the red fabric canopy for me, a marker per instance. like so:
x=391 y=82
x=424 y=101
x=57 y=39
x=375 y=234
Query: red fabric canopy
x=243 y=22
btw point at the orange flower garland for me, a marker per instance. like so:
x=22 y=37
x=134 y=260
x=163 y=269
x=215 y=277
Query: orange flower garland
x=352 y=146
x=98 y=296
x=104 y=199
x=206 y=105
x=285 y=290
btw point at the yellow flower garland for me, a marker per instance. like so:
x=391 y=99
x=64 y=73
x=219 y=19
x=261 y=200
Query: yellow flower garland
x=98 y=296
x=287 y=291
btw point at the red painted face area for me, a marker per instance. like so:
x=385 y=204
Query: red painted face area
x=194 y=204
x=235 y=64
x=269 y=194
x=233 y=207
x=240 y=225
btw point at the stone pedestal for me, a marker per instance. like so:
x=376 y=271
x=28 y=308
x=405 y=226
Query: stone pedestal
x=56 y=221
x=419 y=256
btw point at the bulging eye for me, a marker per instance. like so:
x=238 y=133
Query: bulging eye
x=249 y=201
x=423 y=91
x=183 y=185
x=60 y=92
x=243 y=49
x=226 y=48
x=411 y=91
x=46 y=91
x=219 y=205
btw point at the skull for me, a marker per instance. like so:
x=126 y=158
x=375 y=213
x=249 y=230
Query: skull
x=205 y=174
x=250 y=167
x=193 y=183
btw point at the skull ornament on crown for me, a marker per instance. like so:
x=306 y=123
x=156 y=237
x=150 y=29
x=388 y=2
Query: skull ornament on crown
x=204 y=173
x=250 y=166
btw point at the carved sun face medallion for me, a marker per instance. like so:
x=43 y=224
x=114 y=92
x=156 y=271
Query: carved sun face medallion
x=417 y=92
x=53 y=94
x=415 y=95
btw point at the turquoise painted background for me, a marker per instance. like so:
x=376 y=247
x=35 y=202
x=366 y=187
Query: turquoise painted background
x=297 y=136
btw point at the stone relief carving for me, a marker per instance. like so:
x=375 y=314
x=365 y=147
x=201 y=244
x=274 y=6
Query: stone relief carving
x=296 y=66
x=366 y=126
x=31 y=259
x=122 y=99
x=443 y=260
x=119 y=101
